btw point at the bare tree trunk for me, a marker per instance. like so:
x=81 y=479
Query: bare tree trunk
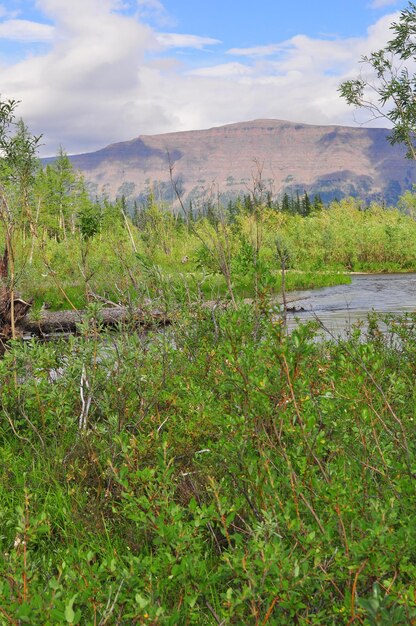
x=68 y=321
x=34 y=234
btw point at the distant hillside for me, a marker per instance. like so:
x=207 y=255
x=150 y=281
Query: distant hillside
x=334 y=161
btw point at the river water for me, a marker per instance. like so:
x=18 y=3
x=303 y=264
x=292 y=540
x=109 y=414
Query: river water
x=339 y=307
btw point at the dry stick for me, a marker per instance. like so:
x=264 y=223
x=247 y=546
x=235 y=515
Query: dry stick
x=12 y=426
x=25 y=589
x=124 y=263
x=282 y=257
x=344 y=534
x=7 y=616
x=301 y=422
x=247 y=498
x=223 y=261
x=292 y=391
x=269 y=611
x=353 y=591
x=99 y=298
x=129 y=230
x=58 y=284
x=213 y=613
x=293 y=481
x=222 y=516
x=110 y=609
x=7 y=219
x=310 y=507
x=381 y=420
x=12 y=279
x=225 y=254
x=320 y=566
x=34 y=232
x=85 y=403
x=33 y=427
x=376 y=439
x=389 y=588
x=209 y=525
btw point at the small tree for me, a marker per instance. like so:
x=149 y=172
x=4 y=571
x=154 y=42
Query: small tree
x=57 y=188
x=390 y=90
x=89 y=225
x=18 y=163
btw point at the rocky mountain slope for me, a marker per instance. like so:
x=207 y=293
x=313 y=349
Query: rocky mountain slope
x=334 y=161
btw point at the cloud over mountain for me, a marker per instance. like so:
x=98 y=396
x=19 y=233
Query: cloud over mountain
x=102 y=74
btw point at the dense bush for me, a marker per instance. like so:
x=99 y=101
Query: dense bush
x=224 y=472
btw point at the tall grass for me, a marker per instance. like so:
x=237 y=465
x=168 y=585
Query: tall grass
x=320 y=251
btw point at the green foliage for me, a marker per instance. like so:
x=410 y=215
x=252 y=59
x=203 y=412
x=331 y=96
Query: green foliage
x=381 y=611
x=222 y=470
x=89 y=219
x=395 y=82
x=18 y=167
x=220 y=476
x=318 y=249
x=56 y=187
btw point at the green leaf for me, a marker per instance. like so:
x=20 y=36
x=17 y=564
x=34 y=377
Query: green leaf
x=192 y=601
x=69 y=611
x=142 y=602
x=54 y=584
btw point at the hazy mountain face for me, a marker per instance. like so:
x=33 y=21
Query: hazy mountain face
x=334 y=161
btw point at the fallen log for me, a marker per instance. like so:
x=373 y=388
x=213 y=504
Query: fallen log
x=51 y=322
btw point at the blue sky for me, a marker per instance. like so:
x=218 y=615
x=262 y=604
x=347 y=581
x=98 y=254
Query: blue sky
x=91 y=72
x=264 y=21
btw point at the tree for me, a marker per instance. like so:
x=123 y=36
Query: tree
x=306 y=205
x=18 y=163
x=389 y=91
x=58 y=189
x=21 y=164
x=317 y=204
x=286 y=203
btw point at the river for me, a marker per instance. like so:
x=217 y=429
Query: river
x=343 y=305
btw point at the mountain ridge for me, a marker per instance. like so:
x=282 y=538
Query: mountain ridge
x=331 y=160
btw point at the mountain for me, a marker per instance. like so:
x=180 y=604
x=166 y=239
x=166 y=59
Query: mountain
x=334 y=161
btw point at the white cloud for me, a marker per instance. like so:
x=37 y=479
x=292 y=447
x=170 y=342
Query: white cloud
x=103 y=78
x=377 y=4
x=256 y=51
x=176 y=40
x=26 y=31
x=154 y=5
x=222 y=70
x=85 y=86
x=155 y=10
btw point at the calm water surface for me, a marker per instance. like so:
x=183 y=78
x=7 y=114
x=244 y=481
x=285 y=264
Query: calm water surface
x=340 y=306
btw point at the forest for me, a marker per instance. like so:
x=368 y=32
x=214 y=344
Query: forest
x=216 y=469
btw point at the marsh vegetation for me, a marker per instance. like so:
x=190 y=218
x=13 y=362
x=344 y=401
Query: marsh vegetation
x=221 y=470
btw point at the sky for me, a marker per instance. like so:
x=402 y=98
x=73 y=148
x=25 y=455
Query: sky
x=89 y=73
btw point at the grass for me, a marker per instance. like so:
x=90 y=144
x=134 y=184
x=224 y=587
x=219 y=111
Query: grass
x=320 y=250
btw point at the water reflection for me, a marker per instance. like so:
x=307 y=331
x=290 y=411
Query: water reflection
x=340 y=307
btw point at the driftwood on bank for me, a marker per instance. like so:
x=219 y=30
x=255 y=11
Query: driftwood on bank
x=16 y=321
x=51 y=322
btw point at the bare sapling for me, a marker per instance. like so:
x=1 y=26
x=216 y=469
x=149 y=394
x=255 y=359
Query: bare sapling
x=217 y=242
